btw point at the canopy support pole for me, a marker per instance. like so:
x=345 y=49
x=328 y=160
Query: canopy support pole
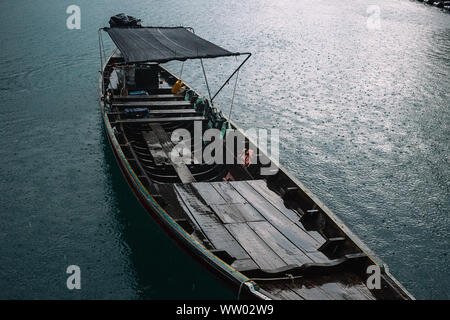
x=226 y=81
x=232 y=98
x=206 y=80
x=101 y=58
x=181 y=71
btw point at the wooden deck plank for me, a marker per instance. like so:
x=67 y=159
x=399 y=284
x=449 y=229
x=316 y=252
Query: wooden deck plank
x=261 y=187
x=149 y=97
x=181 y=168
x=282 y=246
x=308 y=292
x=318 y=256
x=156 y=150
x=345 y=286
x=159 y=120
x=236 y=212
x=211 y=196
x=167 y=192
x=360 y=292
x=151 y=103
x=227 y=191
x=257 y=249
x=183 y=172
x=294 y=233
x=354 y=287
x=160 y=111
x=189 y=196
x=334 y=290
x=227 y=214
x=209 y=224
x=244 y=265
x=281 y=291
x=219 y=236
x=173 y=111
x=186 y=206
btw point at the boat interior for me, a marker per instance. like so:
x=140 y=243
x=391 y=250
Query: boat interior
x=264 y=226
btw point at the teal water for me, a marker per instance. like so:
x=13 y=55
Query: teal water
x=363 y=116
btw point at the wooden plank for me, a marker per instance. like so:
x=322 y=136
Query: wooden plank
x=220 y=237
x=309 y=292
x=158 y=120
x=344 y=286
x=282 y=246
x=354 y=287
x=360 y=292
x=281 y=291
x=294 y=233
x=151 y=103
x=180 y=167
x=149 y=97
x=227 y=214
x=318 y=257
x=157 y=107
x=189 y=196
x=236 y=212
x=156 y=150
x=167 y=192
x=352 y=293
x=257 y=249
x=160 y=111
x=209 y=224
x=334 y=290
x=172 y=111
x=244 y=265
x=183 y=172
x=207 y=192
x=261 y=187
x=227 y=191
x=186 y=206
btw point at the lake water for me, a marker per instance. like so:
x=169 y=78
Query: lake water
x=363 y=115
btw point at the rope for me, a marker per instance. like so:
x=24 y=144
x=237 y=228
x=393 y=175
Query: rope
x=240 y=288
x=288 y=277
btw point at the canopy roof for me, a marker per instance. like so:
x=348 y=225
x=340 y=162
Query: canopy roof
x=162 y=44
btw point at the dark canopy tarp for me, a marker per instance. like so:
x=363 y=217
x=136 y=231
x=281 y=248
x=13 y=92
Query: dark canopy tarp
x=162 y=44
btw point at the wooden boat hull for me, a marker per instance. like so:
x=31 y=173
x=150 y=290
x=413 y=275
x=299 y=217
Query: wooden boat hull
x=244 y=284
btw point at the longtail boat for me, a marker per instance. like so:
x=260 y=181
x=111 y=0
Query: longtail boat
x=243 y=216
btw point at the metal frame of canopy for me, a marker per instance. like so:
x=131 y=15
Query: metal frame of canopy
x=211 y=98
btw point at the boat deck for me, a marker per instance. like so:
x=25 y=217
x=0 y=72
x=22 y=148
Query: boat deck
x=248 y=226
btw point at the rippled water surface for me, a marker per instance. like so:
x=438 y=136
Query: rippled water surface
x=363 y=114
